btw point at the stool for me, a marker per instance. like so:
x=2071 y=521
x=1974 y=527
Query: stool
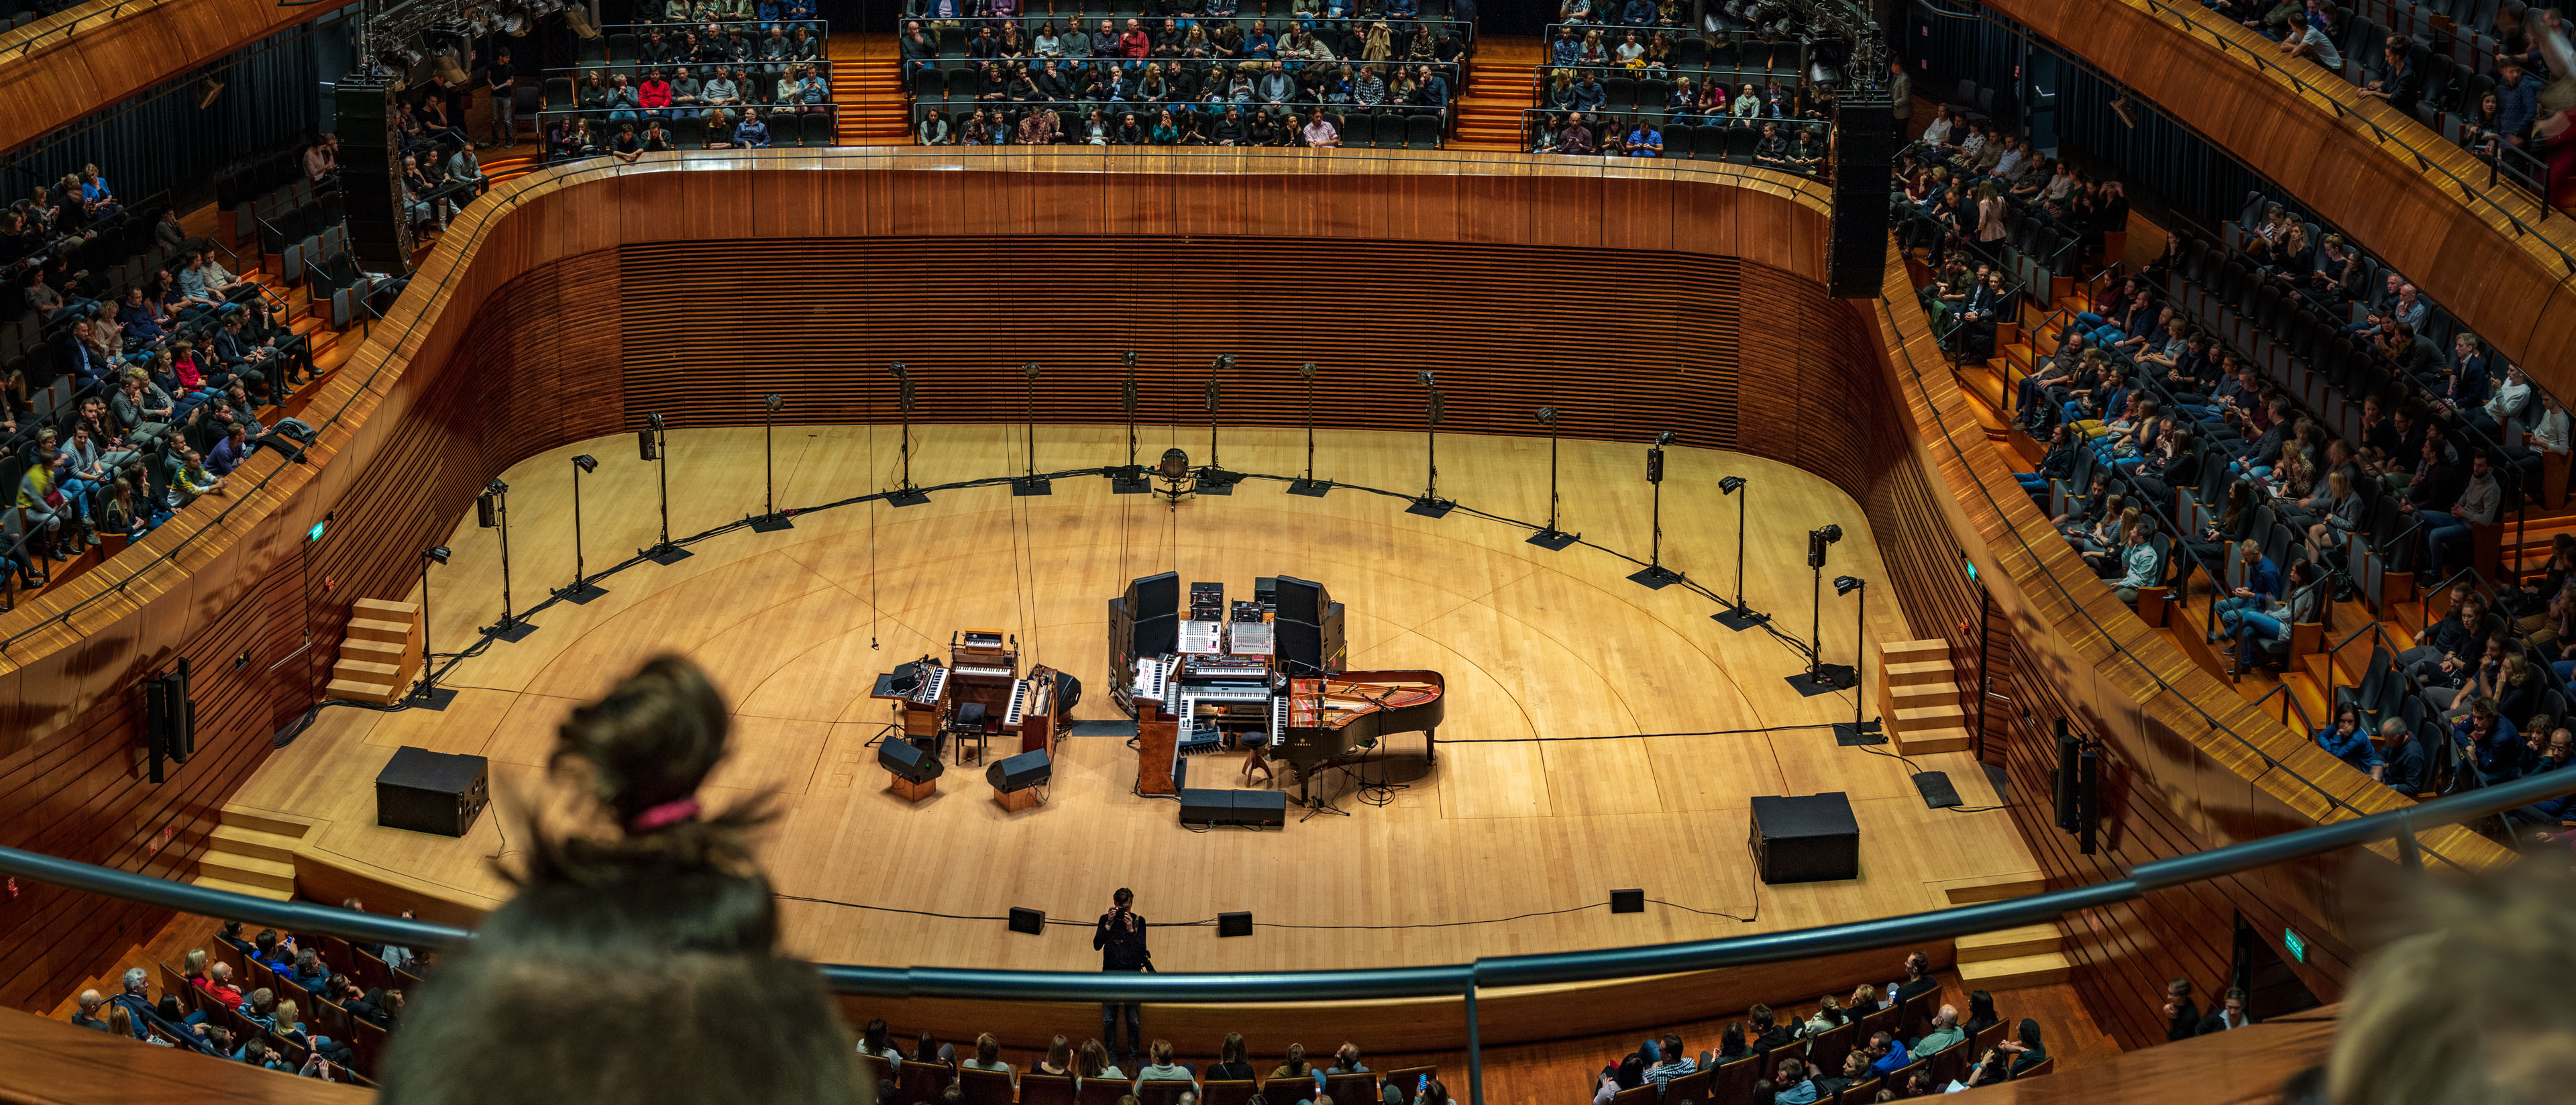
x=969 y=726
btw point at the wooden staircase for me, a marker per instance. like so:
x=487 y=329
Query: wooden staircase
x=1501 y=83
x=381 y=655
x=867 y=87
x=2013 y=958
x=1918 y=698
x=251 y=853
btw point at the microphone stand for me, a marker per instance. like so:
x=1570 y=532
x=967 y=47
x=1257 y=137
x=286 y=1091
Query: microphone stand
x=1430 y=504
x=1738 y=616
x=1308 y=485
x=1213 y=479
x=1031 y=484
x=1551 y=538
x=663 y=551
x=511 y=627
x=1130 y=480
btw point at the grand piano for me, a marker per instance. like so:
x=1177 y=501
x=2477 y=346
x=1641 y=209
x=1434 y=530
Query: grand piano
x=1334 y=720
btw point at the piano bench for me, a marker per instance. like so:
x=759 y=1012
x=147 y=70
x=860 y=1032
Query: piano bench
x=964 y=737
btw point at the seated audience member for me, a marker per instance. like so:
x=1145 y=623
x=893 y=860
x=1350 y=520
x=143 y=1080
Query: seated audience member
x=2463 y=1009
x=876 y=1040
x=1675 y=1063
x=2403 y=766
x=1231 y=1063
x=988 y=1055
x=1945 y=1032
x=1829 y=1015
x=87 y=1015
x=1163 y=1068
x=1887 y=1053
x=1773 y=1034
x=2182 y=1015
x=218 y=984
x=1794 y=1087
x=1917 y=982
x=1981 y=1012
x=2025 y=1047
x=637 y=962
x=1855 y=1071
x=1091 y=1061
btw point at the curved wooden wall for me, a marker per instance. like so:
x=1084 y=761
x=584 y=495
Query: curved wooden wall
x=572 y=300
x=116 y=49
x=2463 y=253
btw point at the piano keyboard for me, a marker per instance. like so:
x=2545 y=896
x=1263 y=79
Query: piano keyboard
x=1153 y=678
x=1202 y=638
x=934 y=683
x=983 y=672
x=1223 y=693
x=1214 y=667
x=1278 y=719
x=1252 y=639
x=1019 y=705
x=1194 y=738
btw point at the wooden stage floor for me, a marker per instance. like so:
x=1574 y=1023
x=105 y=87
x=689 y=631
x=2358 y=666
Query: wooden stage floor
x=1555 y=646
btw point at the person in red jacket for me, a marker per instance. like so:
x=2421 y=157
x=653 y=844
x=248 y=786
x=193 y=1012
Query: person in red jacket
x=654 y=96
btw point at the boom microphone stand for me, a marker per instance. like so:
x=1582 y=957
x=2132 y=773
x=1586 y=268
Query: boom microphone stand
x=1308 y=485
x=1431 y=505
x=1860 y=729
x=426 y=694
x=1551 y=538
x=1737 y=616
x=1030 y=484
x=1130 y=480
x=1821 y=677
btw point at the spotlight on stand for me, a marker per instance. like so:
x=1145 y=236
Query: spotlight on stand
x=582 y=589
x=492 y=510
x=1129 y=479
x=1434 y=407
x=650 y=445
x=1214 y=479
x=1308 y=485
x=1654 y=576
x=1861 y=730
x=906 y=493
x=1821 y=677
x=1549 y=537
x=426 y=694
x=1030 y=484
x=1737 y=616
x=770 y=520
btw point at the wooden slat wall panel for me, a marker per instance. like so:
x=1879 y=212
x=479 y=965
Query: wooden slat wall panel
x=1506 y=328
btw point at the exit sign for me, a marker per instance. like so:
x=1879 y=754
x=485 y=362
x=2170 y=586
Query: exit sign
x=2298 y=947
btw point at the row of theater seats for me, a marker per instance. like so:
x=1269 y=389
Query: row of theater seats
x=809 y=129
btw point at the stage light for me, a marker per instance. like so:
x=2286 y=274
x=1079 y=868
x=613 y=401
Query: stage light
x=1306 y=372
x=1547 y=416
x=1665 y=438
x=653 y=419
x=1424 y=376
x=436 y=552
x=1831 y=533
x=1730 y=485
x=774 y=401
x=586 y=463
x=1030 y=370
x=1844 y=585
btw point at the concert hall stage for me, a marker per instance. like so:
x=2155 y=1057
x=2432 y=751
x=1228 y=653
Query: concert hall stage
x=795 y=625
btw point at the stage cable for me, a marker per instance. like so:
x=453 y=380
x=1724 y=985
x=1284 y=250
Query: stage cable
x=1210 y=922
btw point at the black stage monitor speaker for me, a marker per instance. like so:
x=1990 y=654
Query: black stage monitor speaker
x=1234 y=924
x=1028 y=769
x=1305 y=649
x=432 y=792
x=2068 y=746
x=1030 y=921
x=1157 y=636
x=1627 y=901
x=907 y=761
x=1155 y=595
x=1301 y=600
x=1864 y=143
x=1810 y=839
x=1234 y=807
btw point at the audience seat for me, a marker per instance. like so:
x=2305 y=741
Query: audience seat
x=1211 y=1092
x=1918 y=1013
x=1049 y=1089
x=1643 y=1093
x=1107 y=1091
x=2044 y=1066
x=1993 y=1034
x=1829 y=1046
x=984 y=1087
x=1950 y=1064
x=917 y=1081
x=1349 y=1087
x=1861 y=1093
x=818 y=128
x=1167 y=1091
x=1734 y=1081
x=1689 y=1087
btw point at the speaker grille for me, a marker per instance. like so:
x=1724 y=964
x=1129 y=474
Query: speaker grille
x=1864 y=142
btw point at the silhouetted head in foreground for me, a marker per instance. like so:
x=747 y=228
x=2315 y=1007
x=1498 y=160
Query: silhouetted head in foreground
x=637 y=963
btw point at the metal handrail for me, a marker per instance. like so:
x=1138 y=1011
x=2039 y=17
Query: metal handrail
x=1230 y=987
